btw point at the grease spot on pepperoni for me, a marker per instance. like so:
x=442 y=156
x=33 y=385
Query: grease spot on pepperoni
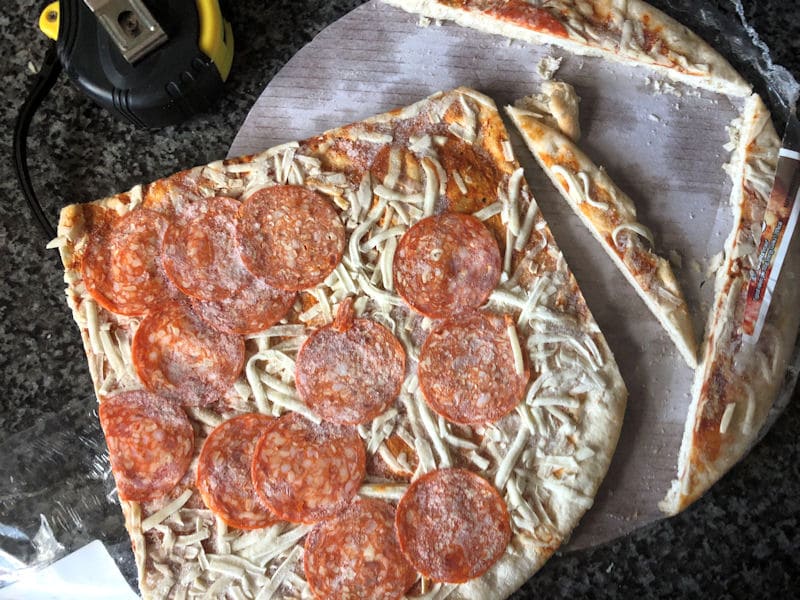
x=306 y=473
x=121 y=266
x=356 y=555
x=479 y=175
x=200 y=255
x=350 y=373
x=176 y=355
x=466 y=370
x=223 y=472
x=409 y=171
x=290 y=236
x=150 y=443
x=452 y=525
x=446 y=264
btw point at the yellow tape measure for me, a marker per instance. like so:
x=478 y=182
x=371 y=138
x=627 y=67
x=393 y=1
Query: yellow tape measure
x=153 y=65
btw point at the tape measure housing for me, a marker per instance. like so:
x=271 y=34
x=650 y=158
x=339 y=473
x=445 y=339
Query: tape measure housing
x=158 y=84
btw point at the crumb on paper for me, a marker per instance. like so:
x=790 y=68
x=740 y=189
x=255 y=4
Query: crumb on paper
x=424 y=21
x=714 y=263
x=548 y=65
x=662 y=88
x=675 y=259
x=654 y=118
x=734 y=131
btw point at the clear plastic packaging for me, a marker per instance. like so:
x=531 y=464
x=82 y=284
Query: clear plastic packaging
x=57 y=494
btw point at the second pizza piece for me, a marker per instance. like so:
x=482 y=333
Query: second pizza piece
x=610 y=215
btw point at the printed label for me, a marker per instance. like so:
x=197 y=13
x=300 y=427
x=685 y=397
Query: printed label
x=780 y=220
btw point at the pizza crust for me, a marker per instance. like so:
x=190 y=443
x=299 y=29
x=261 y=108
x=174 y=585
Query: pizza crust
x=628 y=31
x=608 y=212
x=736 y=383
x=448 y=152
x=557 y=106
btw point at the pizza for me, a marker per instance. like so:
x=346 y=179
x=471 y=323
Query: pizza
x=352 y=366
x=631 y=32
x=738 y=380
x=610 y=215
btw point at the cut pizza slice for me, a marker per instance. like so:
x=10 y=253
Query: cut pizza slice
x=631 y=32
x=358 y=327
x=610 y=215
x=737 y=381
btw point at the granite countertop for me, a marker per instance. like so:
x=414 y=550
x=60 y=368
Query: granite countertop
x=741 y=540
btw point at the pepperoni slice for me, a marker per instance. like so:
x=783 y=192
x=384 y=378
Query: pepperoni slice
x=467 y=371
x=200 y=256
x=305 y=472
x=350 y=371
x=452 y=525
x=121 y=266
x=290 y=236
x=446 y=264
x=223 y=472
x=355 y=555
x=255 y=307
x=176 y=355
x=150 y=443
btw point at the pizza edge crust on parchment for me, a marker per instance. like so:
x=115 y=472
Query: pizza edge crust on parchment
x=630 y=32
x=548 y=457
x=606 y=211
x=713 y=441
x=736 y=383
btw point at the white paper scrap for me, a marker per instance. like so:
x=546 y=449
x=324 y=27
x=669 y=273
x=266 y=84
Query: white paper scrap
x=86 y=574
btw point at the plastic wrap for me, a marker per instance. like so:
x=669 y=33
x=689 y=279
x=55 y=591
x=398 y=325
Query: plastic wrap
x=56 y=489
x=57 y=494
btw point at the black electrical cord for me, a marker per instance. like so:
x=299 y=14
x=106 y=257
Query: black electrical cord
x=48 y=74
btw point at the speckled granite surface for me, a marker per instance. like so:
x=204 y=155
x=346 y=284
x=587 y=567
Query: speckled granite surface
x=742 y=540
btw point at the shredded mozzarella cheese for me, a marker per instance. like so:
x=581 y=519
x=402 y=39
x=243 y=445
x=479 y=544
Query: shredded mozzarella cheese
x=637 y=228
x=519 y=365
x=510 y=459
x=383 y=491
x=431 y=188
x=280 y=574
x=487 y=212
x=167 y=511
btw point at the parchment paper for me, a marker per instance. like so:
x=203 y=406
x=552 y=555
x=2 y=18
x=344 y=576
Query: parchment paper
x=661 y=142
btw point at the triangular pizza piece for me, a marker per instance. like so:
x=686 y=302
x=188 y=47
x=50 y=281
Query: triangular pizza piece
x=610 y=215
x=307 y=355
x=629 y=31
x=737 y=381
